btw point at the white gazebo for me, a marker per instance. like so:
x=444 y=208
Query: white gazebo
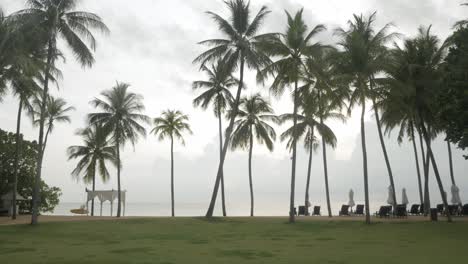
x=103 y=196
x=7 y=201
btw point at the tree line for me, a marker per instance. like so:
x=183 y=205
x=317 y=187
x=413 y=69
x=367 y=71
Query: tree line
x=414 y=84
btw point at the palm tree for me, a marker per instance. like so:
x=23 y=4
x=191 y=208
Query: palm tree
x=363 y=55
x=420 y=59
x=252 y=117
x=328 y=92
x=461 y=23
x=172 y=124
x=241 y=46
x=120 y=116
x=217 y=93
x=96 y=151
x=56 y=111
x=292 y=47
x=58 y=19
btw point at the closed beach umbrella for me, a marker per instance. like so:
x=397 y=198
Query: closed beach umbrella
x=390 y=196
x=351 y=198
x=404 y=197
x=455 y=195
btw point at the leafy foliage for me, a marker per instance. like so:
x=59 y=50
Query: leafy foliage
x=172 y=124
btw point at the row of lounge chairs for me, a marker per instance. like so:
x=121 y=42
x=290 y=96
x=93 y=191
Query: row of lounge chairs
x=386 y=210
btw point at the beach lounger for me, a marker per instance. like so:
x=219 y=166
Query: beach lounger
x=453 y=209
x=344 y=210
x=384 y=211
x=401 y=211
x=316 y=211
x=414 y=209
x=440 y=208
x=3 y=211
x=302 y=210
x=464 y=211
x=359 y=209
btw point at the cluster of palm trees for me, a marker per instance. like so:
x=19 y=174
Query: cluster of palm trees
x=399 y=82
x=367 y=66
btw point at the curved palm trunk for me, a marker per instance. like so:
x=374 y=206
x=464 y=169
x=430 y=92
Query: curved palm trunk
x=449 y=148
x=172 y=176
x=384 y=150
x=118 y=175
x=309 y=170
x=425 y=159
x=364 y=161
x=250 y=174
x=45 y=140
x=17 y=158
x=418 y=171
x=292 y=216
x=434 y=167
x=325 y=172
x=220 y=127
x=45 y=94
x=210 y=210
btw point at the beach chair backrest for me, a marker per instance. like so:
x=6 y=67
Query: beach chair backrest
x=360 y=209
x=316 y=210
x=401 y=210
x=414 y=209
x=344 y=209
x=465 y=210
x=440 y=208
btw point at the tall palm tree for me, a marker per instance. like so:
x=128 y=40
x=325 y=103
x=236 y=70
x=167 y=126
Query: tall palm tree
x=420 y=59
x=216 y=92
x=121 y=116
x=56 y=112
x=292 y=47
x=57 y=19
x=252 y=117
x=97 y=150
x=363 y=55
x=328 y=91
x=463 y=22
x=240 y=46
x=172 y=124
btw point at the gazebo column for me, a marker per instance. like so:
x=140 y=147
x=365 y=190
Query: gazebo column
x=112 y=205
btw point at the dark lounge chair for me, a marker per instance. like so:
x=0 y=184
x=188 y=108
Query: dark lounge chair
x=440 y=208
x=3 y=211
x=359 y=209
x=453 y=209
x=302 y=210
x=464 y=211
x=316 y=211
x=414 y=210
x=384 y=211
x=344 y=210
x=401 y=211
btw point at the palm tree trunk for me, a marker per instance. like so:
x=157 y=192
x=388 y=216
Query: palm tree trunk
x=309 y=171
x=94 y=188
x=117 y=141
x=210 y=210
x=418 y=171
x=449 y=148
x=364 y=161
x=220 y=127
x=172 y=177
x=17 y=157
x=292 y=216
x=250 y=174
x=325 y=172
x=434 y=167
x=425 y=159
x=45 y=140
x=45 y=94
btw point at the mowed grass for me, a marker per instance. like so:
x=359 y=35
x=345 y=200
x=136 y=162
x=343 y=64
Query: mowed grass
x=234 y=240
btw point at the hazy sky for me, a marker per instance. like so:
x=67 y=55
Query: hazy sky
x=151 y=46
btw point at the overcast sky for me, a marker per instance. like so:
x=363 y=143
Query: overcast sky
x=151 y=46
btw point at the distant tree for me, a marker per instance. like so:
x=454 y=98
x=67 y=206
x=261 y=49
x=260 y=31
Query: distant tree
x=239 y=48
x=57 y=19
x=25 y=173
x=252 y=117
x=121 y=117
x=97 y=150
x=453 y=99
x=217 y=93
x=172 y=124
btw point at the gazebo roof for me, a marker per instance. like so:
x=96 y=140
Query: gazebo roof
x=9 y=196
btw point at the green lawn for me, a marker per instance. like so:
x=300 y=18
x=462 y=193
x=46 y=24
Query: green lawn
x=234 y=240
